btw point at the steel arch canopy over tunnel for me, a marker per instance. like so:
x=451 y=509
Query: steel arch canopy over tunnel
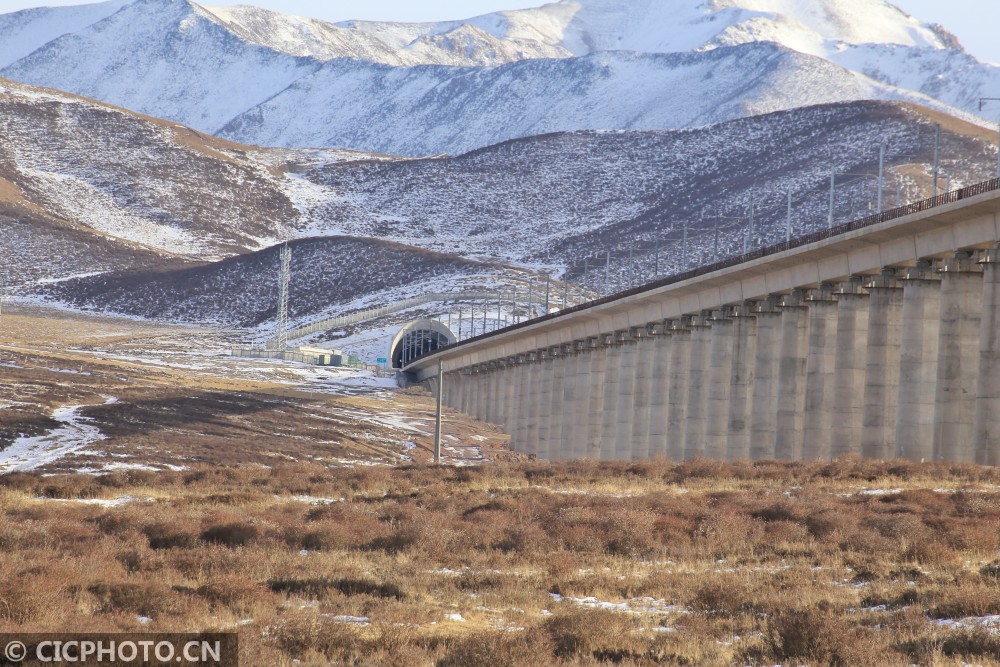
x=418 y=338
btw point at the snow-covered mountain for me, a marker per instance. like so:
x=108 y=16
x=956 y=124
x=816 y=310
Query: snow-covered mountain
x=263 y=77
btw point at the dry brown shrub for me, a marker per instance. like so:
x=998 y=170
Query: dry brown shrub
x=825 y=522
x=144 y=599
x=500 y=649
x=730 y=534
x=630 y=532
x=817 y=635
x=964 y=598
x=701 y=468
x=69 y=486
x=236 y=593
x=561 y=564
x=29 y=597
x=593 y=633
x=724 y=595
x=232 y=534
x=171 y=534
x=867 y=542
x=300 y=636
x=931 y=552
x=320 y=588
x=968 y=645
x=121 y=479
x=967 y=534
x=25 y=482
x=686 y=648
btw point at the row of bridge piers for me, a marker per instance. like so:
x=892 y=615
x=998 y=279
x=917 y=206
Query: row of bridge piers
x=901 y=364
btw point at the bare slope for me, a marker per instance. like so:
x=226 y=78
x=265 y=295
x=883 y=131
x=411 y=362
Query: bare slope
x=82 y=165
x=242 y=290
x=87 y=188
x=566 y=195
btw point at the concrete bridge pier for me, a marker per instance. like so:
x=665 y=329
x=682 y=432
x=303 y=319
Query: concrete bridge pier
x=744 y=354
x=554 y=403
x=918 y=362
x=492 y=388
x=625 y=408
x=958 y=358
x=575 y=396
x=987 y=418
x=599 y=354
x=612 y=382
x=645 y=358
x=659 y=406
x=511 y=391
x=885 y=311
x=764 y=400
x=850 y=361
x=818 y=418
x=500 y=383
x=791 y=376
x=544 y=403
x=677 y=396
x=483 y=398
x=532 y=400
x=698 y=378
x=720 y=377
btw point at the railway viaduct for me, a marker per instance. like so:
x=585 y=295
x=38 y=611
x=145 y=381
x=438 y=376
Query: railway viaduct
x=879 y=337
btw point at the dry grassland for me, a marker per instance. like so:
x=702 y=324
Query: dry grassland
x=267 y=532
x=520 y=563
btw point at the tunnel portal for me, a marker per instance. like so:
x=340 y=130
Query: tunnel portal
x=418 y=338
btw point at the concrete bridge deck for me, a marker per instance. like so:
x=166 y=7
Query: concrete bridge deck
x=878 y=337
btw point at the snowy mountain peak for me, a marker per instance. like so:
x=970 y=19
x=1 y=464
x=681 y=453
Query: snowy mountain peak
x=817 y=27
x=255 y=75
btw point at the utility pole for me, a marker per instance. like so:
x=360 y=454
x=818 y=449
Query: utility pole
x=437 y=415
x=993 y=99
x=486 y=309
x=833 y=185
x=656 y=271
x=881 y=174
x=607 y=273
x=459 y=323
x=531 y=295
x=586 y=270
x=684 y=247
x=715 y=242
x=937 y=148
x=565 y=291
x=548 y=283
x=751 y=220
x=788 y=227
x=631 y=266
x=499 y=308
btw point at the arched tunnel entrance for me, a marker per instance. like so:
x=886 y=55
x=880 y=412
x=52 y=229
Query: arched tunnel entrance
x=418 y=338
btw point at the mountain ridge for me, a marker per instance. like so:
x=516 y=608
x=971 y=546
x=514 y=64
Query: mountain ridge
x=248 y=74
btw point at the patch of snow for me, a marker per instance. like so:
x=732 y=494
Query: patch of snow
x=28 y=453
x=120 y=501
